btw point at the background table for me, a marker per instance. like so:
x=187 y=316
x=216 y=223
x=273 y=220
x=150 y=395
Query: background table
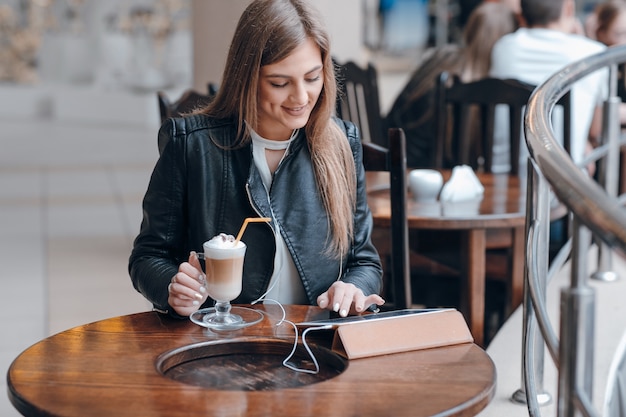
x=109 y=368
x=502 y=207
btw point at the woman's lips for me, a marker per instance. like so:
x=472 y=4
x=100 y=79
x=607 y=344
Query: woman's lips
x=295 y=111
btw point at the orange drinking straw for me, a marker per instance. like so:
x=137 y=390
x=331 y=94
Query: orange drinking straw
x=251 y=220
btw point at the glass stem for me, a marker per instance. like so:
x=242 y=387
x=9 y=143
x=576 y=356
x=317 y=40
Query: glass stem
x=222 y=308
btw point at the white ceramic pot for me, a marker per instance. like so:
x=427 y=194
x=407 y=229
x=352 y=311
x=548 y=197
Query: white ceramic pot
x=425 y=184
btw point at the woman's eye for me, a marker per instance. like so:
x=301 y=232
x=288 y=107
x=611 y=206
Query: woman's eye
x=307 y=80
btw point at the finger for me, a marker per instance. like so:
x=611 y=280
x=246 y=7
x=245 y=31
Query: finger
x=359 y=302
x=373 y=299
x=186 y=288
x=346 y=304
x=323 y=300
x=181 y=293
x=190 y=277
x=190 y=272
x=182 y=307
x=195 y=261
x=337 y=297
x=179 y=304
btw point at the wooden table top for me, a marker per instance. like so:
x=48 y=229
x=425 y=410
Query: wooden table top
x=503 y=205
x=109 y=368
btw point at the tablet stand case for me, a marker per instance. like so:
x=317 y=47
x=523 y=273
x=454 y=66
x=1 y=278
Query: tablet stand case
x=399 y=334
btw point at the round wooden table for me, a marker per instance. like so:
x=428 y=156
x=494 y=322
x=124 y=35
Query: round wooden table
x=501 y=208
x=114 y=368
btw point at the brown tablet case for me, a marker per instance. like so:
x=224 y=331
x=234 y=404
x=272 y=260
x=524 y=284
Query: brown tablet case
x=403 y=333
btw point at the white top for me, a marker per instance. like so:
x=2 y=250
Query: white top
x=532 y=55
x=285 y=284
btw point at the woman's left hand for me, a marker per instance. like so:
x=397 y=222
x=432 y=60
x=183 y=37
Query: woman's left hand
x=344 y=298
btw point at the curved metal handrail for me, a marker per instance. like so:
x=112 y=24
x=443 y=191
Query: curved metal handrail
x=586 y=199
x=594 y=210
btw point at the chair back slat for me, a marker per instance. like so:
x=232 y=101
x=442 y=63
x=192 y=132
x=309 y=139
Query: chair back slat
x=393 y=160
x=469 y=137
x=358 y=100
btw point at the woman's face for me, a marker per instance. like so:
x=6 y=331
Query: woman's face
x=615 y=34
x=288 y=91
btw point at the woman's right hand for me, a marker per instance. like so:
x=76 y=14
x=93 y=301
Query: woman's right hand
x=187 y=290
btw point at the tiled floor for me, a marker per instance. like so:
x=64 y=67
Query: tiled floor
x=70 y=205
x=609 y=332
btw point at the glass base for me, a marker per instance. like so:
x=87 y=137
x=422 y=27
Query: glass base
x=238 y=318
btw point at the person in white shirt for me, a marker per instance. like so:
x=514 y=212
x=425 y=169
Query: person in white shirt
x=535 y=52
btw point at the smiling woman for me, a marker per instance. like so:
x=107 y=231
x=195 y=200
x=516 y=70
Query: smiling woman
x=268 y=145
x=288 y=90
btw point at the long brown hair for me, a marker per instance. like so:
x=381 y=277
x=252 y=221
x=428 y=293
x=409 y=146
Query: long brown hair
x=487 y=23
x=267 y=32
x=471 y=61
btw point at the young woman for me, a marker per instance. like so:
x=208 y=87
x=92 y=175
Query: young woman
x=267 y=146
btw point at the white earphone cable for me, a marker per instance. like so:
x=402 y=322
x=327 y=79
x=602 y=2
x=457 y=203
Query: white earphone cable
x=283 y=319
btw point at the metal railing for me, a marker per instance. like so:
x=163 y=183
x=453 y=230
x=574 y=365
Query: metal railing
x=595 y=212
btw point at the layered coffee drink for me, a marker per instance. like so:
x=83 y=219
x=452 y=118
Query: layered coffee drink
x=224 y=257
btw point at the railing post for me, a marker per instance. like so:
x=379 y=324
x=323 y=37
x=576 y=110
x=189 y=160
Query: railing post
x=577 y=331
x=608 y=168
x=537 y=208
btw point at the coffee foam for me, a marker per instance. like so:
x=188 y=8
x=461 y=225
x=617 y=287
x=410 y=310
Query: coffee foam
x=224 y=241
x=224 y=246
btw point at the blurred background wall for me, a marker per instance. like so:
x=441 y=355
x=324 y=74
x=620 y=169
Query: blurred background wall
x=213 y=25
x=103 y=61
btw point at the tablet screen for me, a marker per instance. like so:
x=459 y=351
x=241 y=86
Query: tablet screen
x=334 y=322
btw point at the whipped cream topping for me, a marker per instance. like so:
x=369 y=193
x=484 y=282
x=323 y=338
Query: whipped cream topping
x=224 y=241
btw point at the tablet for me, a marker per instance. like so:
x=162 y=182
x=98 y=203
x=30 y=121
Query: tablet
x=338 y=321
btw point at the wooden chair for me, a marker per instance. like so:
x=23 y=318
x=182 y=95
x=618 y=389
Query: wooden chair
x=187 y=102
x=465 y=119
x=358 y=100
x=393 y=160
x=466 y=114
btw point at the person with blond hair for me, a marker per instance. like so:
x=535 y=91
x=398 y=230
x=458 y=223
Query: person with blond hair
x=413 y=109
x=268 y=145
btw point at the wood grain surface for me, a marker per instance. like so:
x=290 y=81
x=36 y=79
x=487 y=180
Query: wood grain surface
x=117 y=367
x=502 y=208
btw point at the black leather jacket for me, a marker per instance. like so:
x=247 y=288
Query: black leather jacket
x=198 y=190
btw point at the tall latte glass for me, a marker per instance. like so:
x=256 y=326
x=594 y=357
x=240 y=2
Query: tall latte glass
x=223 y=256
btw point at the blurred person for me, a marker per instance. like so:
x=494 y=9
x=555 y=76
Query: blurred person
x=610 y=22
x=610 y=29
x=466 y=8
x=413 y=109
x=513 y=4
x=266 y=146
x=531 y=54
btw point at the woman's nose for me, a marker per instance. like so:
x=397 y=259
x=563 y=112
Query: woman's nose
x=299 y=94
